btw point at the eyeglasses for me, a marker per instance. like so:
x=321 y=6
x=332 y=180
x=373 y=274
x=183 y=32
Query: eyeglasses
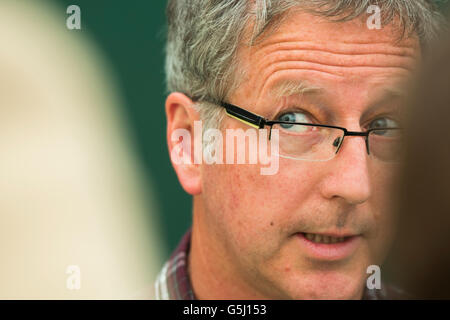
x=317 y=142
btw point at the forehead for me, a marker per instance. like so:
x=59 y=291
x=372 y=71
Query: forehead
x=340 y=56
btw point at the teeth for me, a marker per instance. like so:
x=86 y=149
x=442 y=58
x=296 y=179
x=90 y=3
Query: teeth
x=317 y=238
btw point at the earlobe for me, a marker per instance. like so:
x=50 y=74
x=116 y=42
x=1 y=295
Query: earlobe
x=180 y=139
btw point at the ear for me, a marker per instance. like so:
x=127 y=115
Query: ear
x=181 y=115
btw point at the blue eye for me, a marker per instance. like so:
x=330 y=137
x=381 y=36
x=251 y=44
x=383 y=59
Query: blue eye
x=293 y=117
x=287 y=117
x=298 y=117
x=383 y=123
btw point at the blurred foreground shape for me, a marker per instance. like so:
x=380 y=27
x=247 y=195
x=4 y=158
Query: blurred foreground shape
x=71 y=190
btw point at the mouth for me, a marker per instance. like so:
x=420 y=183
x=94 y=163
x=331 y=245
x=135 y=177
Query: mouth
x=322 y=238
x=328 y=246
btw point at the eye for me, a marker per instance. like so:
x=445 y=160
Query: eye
x=300 y=117
x=384 y=123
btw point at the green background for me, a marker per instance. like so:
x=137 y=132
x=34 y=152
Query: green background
x=131 y=35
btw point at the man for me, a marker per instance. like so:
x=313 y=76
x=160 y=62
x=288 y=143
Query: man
x=325 y=78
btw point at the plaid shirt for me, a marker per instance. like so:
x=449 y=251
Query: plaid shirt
x=173 y=282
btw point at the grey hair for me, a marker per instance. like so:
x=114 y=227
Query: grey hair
x=204 y=35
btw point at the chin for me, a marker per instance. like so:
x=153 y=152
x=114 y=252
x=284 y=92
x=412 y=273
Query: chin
x=328 y=287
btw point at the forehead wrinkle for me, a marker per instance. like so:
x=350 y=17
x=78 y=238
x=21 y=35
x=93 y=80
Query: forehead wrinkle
x=319 y=56
x=334 y=72
x=326 y=58
x=340 y=67
x=341 y=47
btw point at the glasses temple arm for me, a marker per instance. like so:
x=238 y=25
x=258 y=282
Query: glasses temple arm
x=245 y=116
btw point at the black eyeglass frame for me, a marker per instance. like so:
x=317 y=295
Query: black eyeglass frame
x=260 y=122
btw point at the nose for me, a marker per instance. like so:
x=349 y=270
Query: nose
x=347 y=176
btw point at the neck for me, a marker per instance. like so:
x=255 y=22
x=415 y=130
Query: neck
x=213 y=275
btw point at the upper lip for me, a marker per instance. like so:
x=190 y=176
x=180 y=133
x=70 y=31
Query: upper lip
x=334 y=234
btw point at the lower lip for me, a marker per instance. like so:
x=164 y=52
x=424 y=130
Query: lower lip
x=329 y=251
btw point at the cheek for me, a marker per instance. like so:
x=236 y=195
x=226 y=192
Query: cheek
x=383 y=208
x=255 y=211
x=383 y=186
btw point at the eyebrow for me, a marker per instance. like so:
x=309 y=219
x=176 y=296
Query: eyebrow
x=288 y=88
x=389 y=94
x=292 y=87
x=393 y=92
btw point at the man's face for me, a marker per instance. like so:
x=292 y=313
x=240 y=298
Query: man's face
x=261 y=220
